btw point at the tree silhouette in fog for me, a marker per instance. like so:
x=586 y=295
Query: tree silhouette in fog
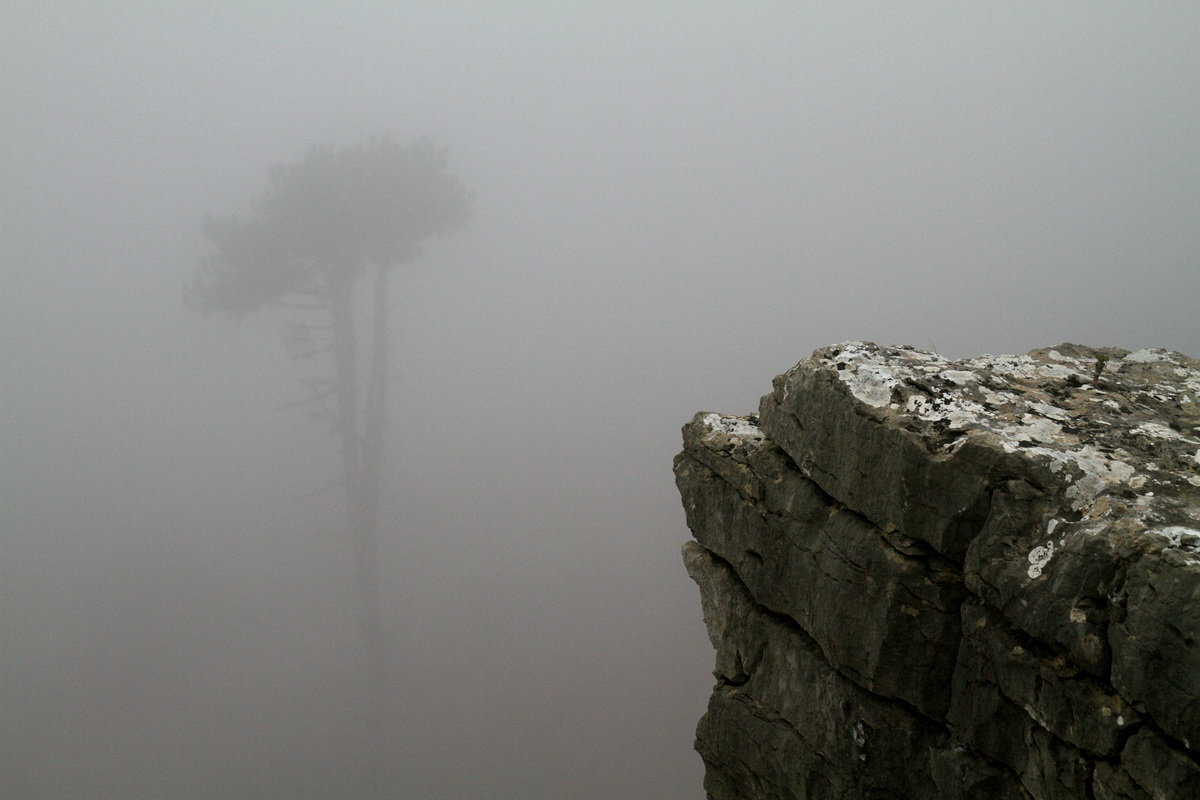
x=336 y=220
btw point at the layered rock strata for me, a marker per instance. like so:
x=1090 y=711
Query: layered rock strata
x=969 y=580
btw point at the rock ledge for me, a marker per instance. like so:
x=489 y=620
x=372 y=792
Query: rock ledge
x=953 y=579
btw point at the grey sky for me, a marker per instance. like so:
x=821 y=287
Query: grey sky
x=673 y=202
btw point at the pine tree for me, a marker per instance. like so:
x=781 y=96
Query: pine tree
x=334 y=220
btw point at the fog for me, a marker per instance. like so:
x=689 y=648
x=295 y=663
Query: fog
x=672 y=202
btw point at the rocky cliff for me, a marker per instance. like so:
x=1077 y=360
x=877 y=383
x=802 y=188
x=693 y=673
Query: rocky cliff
x=967 y=580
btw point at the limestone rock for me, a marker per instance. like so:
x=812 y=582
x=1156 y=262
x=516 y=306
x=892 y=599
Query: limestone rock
x=762 y=736
x=1060 y=697
x=1149 y=769
x=998 y=558
x=829 y=569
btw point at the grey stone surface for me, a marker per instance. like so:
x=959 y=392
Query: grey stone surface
x=997 y=559
x=959 y=774
x=1149 y=769
x=1050 y=690
x=1156 y=655
x=827 y=568
x=782 y=723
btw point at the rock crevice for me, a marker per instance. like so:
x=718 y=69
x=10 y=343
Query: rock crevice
x=953 y=579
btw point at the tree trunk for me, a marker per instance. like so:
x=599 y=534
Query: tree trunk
x=370 y=471
x=362 y=459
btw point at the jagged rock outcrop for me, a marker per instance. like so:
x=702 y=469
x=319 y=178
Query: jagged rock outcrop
x=968 y=580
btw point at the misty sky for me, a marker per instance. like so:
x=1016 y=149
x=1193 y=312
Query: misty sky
x=673 y=202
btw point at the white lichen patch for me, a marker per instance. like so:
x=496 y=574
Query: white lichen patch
x=874 y=385
x=736 y=436
x=1183 y=539
x=738 y=427
x=1057 y=356
x=995 y=398
x=1099 y=473
x=1014 y=366
x=1146 y=356
x=1179 y=536
x=859 y=736
x=1025 y=368
x=1057 y=372
x=867 y=374
x=1036 y=429
x=960 y=377
x=1051 y=412
x=958 y=413
x=1038 y=558
x=1159 y=431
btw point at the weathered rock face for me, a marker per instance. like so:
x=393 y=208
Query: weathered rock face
x=969 y=580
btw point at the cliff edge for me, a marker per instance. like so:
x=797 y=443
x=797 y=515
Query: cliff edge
x=963 y=580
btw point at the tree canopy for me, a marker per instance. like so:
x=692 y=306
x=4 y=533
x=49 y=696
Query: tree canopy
x=325 y=219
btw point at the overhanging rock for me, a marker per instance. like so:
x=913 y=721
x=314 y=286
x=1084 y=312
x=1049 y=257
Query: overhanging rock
x=953 y=579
